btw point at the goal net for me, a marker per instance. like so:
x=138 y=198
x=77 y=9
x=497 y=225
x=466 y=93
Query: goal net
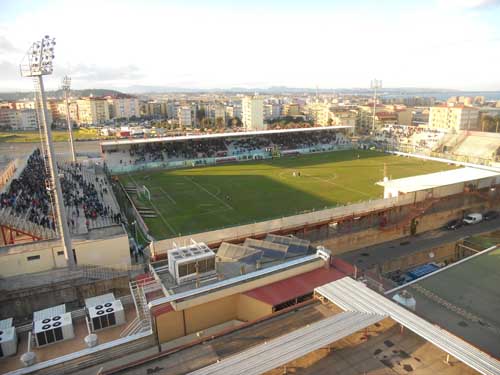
x=144 y=192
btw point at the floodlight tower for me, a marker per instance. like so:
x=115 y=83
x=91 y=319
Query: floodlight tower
x=66 y=83
x=37 y=63
x=375 y=84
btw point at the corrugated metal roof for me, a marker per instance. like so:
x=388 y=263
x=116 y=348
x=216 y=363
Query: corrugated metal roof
x=296 y=286
x=352 y=295
x=277 y=352
x=228 y=251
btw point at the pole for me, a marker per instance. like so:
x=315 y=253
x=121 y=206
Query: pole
x=56 y=184
x=374 y=105
x=70 y=128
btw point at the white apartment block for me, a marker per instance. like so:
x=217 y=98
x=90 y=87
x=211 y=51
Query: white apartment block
x=19 y=119
x=454 y=118
x=184 y=116
x=124 y=107
x=253 y=113
x=92 y=110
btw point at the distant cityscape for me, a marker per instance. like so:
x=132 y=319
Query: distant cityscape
x=118 y=114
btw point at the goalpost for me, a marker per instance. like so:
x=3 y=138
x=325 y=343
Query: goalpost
x=144 y=192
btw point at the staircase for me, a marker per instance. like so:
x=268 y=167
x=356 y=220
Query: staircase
x=138 y=290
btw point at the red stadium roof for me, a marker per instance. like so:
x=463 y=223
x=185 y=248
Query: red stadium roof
x=285 y=290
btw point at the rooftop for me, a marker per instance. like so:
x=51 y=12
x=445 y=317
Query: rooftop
x=438 y=179
x=464 y=299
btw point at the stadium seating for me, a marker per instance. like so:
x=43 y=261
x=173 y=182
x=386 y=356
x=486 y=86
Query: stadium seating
x=202 y=151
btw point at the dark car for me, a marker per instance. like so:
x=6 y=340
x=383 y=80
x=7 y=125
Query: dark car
x=490 y=215
x=453 y=224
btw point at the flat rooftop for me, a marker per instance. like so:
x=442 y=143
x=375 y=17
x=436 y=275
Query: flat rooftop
x=464 y=299
x=438 y=179
x=65 y=347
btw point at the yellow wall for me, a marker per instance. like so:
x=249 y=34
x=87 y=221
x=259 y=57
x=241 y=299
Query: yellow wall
x=250 y=309
x=170 y=326
x=210 y=314
x=106 y=252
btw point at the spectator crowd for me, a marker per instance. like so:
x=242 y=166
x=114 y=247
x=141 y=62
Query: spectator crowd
x=28 y=195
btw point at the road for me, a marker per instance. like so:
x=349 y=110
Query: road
x=367 y=257
x=10 y=151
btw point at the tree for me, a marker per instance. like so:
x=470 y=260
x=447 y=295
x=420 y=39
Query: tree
x=235 y=121
x=219 y=123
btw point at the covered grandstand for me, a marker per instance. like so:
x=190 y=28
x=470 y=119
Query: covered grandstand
x=209 y=149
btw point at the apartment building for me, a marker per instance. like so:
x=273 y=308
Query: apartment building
x=454 y=118
x=184 y=116
x=92 y=110
x=253 y=113
x=123 y=107
x=19 y=119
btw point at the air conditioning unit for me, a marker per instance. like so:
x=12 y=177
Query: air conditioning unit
x=8 y=338
x=53 y=329
x=105 y=315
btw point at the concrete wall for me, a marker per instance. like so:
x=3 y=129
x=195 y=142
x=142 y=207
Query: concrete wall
x=211 y=313
x=109 y=252
x=21 y=303
x=443 y=253
x=170 y=326
x=250 y=309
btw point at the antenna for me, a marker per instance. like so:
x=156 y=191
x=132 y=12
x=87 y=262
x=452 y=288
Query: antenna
x=66 y=84
x=36 y=63
x=375 y=84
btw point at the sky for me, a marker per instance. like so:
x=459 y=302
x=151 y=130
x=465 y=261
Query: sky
x=453 y=44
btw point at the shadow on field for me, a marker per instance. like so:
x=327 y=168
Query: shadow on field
x=208 y=202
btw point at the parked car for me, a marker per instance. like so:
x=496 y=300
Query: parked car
x=490 y=215
x=453 y=224
x=473 y=218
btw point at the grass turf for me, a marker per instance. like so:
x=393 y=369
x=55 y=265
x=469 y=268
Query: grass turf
x=57 y=135
x=200 y=199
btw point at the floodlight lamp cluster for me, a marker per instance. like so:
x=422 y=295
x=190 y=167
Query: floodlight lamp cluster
x=38 y=60
x=66 y=83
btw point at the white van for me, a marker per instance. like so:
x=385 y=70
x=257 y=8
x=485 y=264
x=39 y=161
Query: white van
x=473 y=218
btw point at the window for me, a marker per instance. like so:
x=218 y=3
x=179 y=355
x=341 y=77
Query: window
x=33 y=257
x=60 y=253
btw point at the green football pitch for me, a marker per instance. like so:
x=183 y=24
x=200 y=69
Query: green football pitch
x=199 y=199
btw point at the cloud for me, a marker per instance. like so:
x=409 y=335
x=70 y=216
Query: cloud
x=105 y=73
x=6 y=46
x=8 y=71
x=470 y=4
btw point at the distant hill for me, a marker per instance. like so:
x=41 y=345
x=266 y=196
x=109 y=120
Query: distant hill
x=58 y=94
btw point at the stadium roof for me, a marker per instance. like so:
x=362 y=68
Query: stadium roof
x=217 y=135
x=351 y=295
x=438 y=179
x=296 y=344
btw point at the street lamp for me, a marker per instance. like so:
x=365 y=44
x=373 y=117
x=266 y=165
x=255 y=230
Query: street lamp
x=375 y=84
x=66 y=83
x=37 y=63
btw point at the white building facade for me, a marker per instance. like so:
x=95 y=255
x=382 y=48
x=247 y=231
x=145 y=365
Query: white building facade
x=252 y=114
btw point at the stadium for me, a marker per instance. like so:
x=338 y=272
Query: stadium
x=187 y=185
x=248 y=253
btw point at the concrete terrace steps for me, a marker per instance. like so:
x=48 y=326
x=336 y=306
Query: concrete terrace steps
x=22 y=224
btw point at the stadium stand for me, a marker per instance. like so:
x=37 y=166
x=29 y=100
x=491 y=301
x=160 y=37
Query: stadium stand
x=212 y=149
x=26 y=204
